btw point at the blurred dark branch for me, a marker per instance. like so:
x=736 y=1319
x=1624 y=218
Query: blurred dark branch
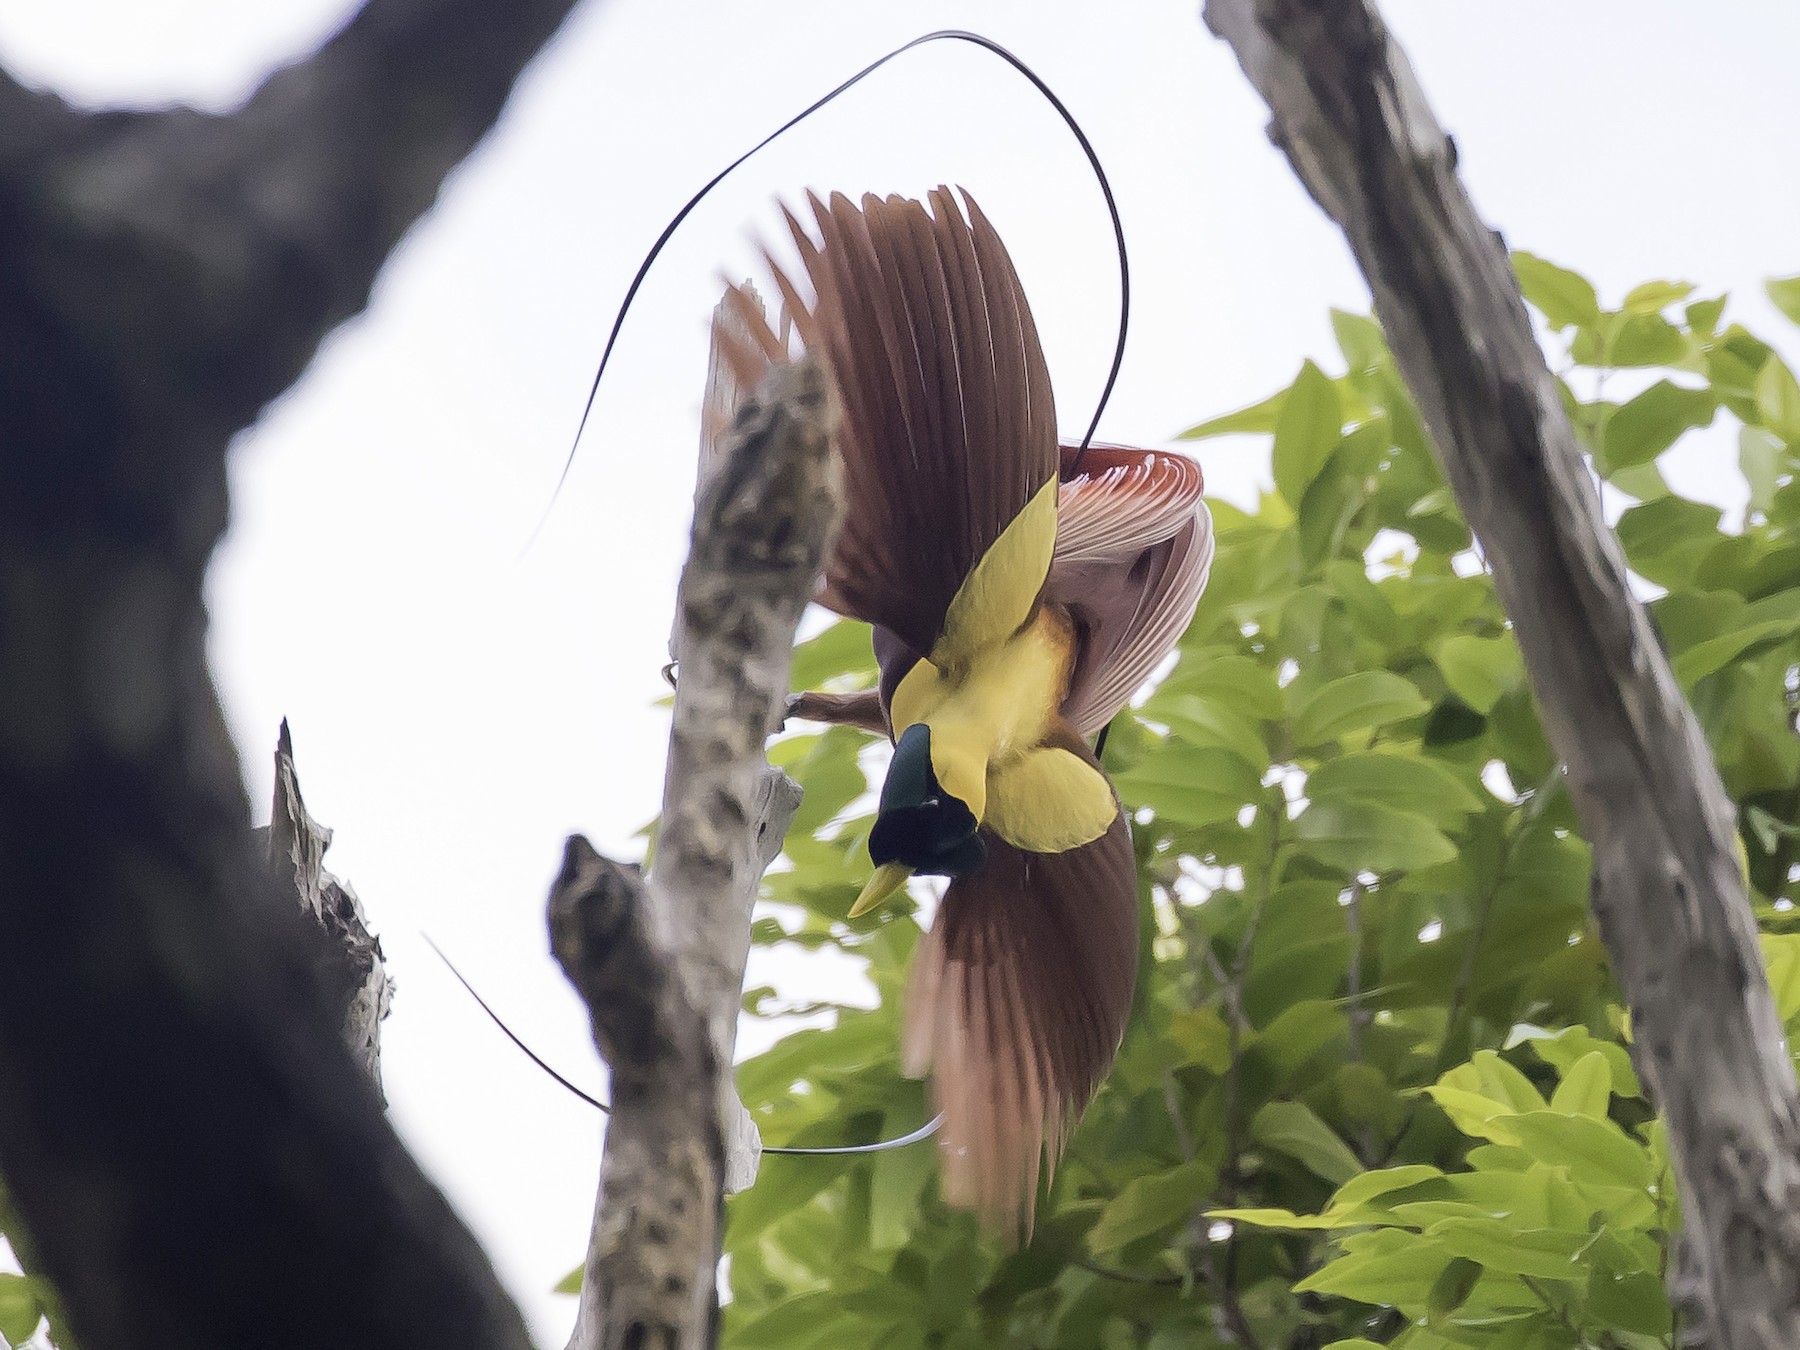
x=199 y=1160
x=1668 y=889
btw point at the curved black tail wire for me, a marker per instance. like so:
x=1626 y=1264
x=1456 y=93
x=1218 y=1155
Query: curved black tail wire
x=943 y=34
x=924 y=1131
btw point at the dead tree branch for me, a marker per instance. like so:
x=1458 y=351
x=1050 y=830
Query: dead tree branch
x=198 y=1160
x=764 y=516
x=354 y=973
x=1668 y=891
x=659 y=1217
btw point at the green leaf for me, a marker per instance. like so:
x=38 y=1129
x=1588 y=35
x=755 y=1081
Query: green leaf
x=1631 y=1300
x=1307 y=432
x=1703 y=315
x=1341 y=490
x=1653 y=421
x=1451 y=1290
x=1282 y=1218
x=1369 y=698
x=1595 y=1150
x=1293 y=1129
x=1785 y=292
x=1397 y=1272
x=1258 y=417
x=1643 y=481
x=1479 y=670
x=898 y=1178
x=1350 y=1208
x=1762 y=456
x=1543 y=1253
x=1586 y=1089
x=1191 y=786
x=1522 y=1198
x=1150 y=1204
x=1360 y=1190
x=1360 y=339
x=1299 y=1032
x=1565 y=1048
x=1562 y=296
x=1405 y=782
x=1778 y=400
x=1498 y=1079
x=1475 y=1094
x=1476 y=1115
x=1714 y=654
x=1645 y=340
x=1353 y=836
x=1664 y=540
x=857 y=1042
x=1204 y=722
x=1655 y=296
x=807 y=1321
x=1201 y=1037
x=843 y=649
x=1233 y=682
x=830 y=774
x=1781 y=954
x=570 y=1283
x=21 y=1307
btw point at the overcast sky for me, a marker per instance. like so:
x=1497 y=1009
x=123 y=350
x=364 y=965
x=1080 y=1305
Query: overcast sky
x=456 y=710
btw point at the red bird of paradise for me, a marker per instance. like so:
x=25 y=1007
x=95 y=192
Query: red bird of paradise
x=1020 y=592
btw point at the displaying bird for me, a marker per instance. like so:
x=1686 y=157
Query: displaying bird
x=1020 y=592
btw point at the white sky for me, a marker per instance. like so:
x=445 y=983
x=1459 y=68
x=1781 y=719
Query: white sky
x=457 y=711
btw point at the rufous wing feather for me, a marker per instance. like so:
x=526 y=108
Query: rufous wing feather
x=1017 y=1006
x=948 y=427
x=1133 y=549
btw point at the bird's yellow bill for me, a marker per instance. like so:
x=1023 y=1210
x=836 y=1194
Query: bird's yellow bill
x=888 y=878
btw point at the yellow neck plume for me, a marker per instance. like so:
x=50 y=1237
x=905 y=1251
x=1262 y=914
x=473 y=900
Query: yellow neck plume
x=992 y=687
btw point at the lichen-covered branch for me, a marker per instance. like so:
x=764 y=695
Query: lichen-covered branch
x=663 y=974
x=1668 y=889
x=649 y=1276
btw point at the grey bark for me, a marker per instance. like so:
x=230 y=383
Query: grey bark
x=354 y=970
x=199 y=1160
x=698 y=925
x=1668 y=890
x=663 y=969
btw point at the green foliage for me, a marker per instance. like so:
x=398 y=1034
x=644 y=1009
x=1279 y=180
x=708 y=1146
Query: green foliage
x=25 y=1301
x=1377 y=1087
x=21 y=1308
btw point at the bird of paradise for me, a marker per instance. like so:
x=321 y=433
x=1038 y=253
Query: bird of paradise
x=1020 y=592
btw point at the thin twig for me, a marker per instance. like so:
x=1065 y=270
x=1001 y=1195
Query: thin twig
x=1127 y=1276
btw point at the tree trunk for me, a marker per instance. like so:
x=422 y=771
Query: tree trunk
x=1668 y=889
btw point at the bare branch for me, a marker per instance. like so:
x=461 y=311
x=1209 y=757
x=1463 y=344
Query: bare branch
x=656 y=1229
x=1668 y=890
x=355 y=973
x=763 y=519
